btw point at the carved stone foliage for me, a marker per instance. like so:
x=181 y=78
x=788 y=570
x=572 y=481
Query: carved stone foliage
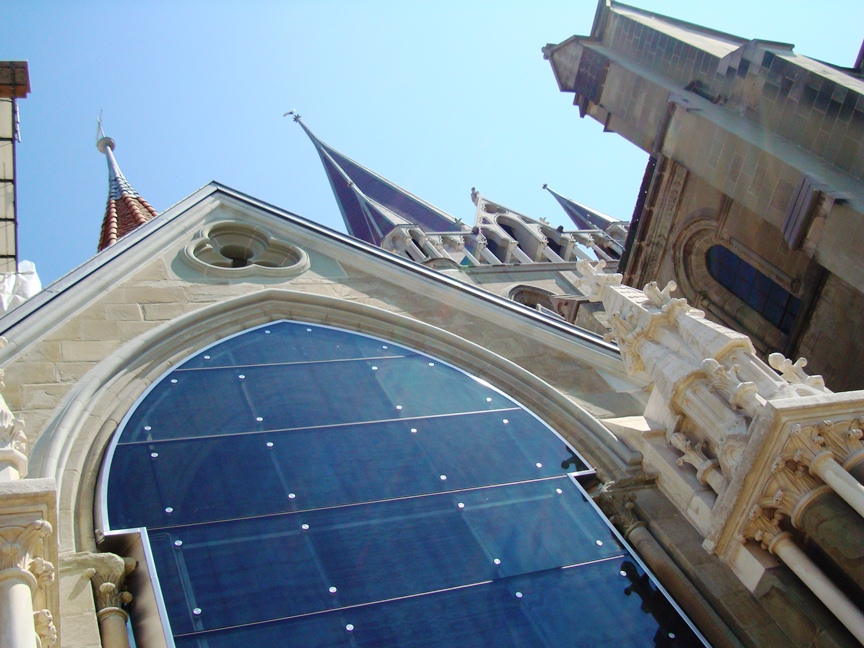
x=108 y=574
x=619 y=508
x=19 y=544
x=43 y=622
x=13 y=442
x=793 y=372
x=763 y=527
x=843 y=439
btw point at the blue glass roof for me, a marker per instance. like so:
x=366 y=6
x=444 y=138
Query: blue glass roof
x=303 y=485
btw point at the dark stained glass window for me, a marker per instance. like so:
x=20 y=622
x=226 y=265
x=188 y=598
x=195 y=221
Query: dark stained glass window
x=307 y=486
x=759 y=292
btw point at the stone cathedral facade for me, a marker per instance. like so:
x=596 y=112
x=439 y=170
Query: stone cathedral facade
x=233 y=426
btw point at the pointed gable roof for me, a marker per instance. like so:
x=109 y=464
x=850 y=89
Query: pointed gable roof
x=373 y=206
x=125 y=210
x=582 y=216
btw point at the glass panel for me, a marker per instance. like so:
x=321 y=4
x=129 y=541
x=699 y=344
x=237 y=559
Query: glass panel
x=230 y=400
x=428 y=499
x=206 y=480
x=376 y=552
x=281 y=342
x=762 y=294
x=599 y=605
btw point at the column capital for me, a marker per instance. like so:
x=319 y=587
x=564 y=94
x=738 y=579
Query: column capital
x=21 y=543
x=108 y=574
x=765 y=529
x=619 y=508
x=790 y=487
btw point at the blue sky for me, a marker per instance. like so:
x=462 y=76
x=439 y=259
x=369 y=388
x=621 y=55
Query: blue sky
x=436 y=96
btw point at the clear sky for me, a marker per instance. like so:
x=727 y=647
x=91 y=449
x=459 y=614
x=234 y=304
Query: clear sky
x=436 y=96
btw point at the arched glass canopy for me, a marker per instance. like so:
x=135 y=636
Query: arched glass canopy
x=308 y=486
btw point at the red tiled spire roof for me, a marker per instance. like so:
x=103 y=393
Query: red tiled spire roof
x=125 y=210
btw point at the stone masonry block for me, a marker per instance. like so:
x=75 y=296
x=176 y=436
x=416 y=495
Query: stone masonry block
x=204 y=293
x=44 y=350
x=87 y=350
x=81 y=329
x=161 y=312
x=123 y=312
x=35 y=397
x=73 y=371
x=156 y=270
x=31 y=373
x=153 y=295
x=131 y=330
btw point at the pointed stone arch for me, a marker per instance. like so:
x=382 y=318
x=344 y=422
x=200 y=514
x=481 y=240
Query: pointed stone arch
x=73 y=443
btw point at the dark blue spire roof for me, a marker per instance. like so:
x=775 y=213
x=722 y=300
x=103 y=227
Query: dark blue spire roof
x=373 y=206
x=582 y=216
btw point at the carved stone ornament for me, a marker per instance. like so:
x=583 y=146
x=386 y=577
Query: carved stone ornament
x=108 y=574
x=13 y=442
x=233 y=250
x=618 y=507
x=20 y=544
x=43 y=572
x=45 y=629
x=763 y=528
x=793 y=373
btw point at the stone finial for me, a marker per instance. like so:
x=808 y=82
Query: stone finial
x=793 y=373
x=725 y=381
x=707 y=470
x=594 y=280
x=663 y=299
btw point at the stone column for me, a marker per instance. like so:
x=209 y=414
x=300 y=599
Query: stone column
x=840 y=481
x=108 y=575
x=19 y=585
x=767 y=531
x=837 y=530
x=619 y=507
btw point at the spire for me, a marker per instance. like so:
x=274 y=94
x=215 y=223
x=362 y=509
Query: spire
x=126 y=210
x=582 y=216
x=372 y=206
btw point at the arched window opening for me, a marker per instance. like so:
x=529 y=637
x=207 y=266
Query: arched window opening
x=758 y=291
x=304 y=485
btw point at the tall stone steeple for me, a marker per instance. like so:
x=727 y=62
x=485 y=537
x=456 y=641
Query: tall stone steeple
x=126 y=210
